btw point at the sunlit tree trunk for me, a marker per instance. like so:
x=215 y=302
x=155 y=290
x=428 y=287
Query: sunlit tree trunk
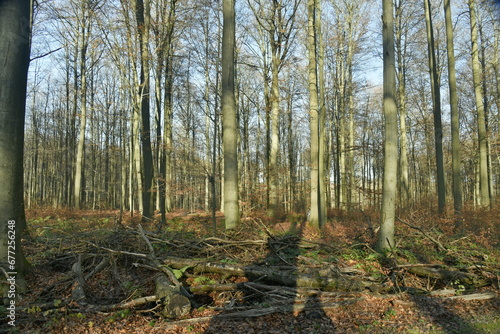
x=318 y=210
x=481 y=119
x=273 y=154
x=164 y=29
x=401 y=55
x=389 y=190
x=83 y=33
x=486 y=105
x=231 y=204
x=321 y=117
x=208 y=178
x=455 y=125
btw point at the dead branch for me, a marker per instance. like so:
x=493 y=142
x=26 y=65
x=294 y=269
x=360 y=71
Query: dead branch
x=325 y=280
x=114 y=251
x=475 y=296
x=437 y=243
x=449 y=275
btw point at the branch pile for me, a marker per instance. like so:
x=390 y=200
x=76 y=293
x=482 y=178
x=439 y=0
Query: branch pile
x=270 y=272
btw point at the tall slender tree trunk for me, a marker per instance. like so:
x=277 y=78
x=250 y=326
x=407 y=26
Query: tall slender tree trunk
x=165 y=36
x=389 y=190
x=136 y=148
x=316 y=218
x=481 y=118
x=436 y=103
x=15 y=30
x=273 y=154
x=230 y=129
x=401 y=45
x=80 y=153
x=209 y=178
x=142 y=12
x=455 y=123
x=167 y=135
x=321 y=117
x=486 y=105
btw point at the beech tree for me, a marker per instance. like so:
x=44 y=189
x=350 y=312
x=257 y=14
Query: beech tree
x=273 y=128
x=481 y=116
x=142 y=12
x=436 y=103
x=277 y=19
x=84 y=11
x=388 y=210
x=230 y=142
x=317 y=216
x=15 y=27
x=455 y=124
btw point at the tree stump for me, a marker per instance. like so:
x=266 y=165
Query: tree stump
x=175 y=304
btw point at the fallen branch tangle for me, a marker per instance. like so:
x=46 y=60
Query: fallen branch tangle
x=325 y=279
x=286 y=287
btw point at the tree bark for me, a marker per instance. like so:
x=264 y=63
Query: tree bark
x=321 y=118
x=273 y=154
x=83 y=35
x=326 y=279
x=314 y=215
x=481 y=119
x=231 y=200
x=455 y=122
x=386 y=232
x=15 y=30
x=401 y=31
x=436 y=103
x=142 y=12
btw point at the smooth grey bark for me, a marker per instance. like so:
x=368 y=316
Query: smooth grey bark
x=321 y=117
x=314 y=215
x=401 y=45
x=83 y=36
x=455 y=122
x=15 y=30
x=164 y=30
x=481 y=118
x=389 y=190
x=230 y=131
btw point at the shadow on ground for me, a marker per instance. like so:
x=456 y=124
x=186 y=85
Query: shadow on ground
x=294 y=315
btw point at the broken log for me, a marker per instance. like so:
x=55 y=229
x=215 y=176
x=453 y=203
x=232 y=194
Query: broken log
x=174 y=303
x=326 y=279
x=449 y=275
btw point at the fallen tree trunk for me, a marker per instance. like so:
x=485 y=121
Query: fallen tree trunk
x=325 y=279
x=449 y=275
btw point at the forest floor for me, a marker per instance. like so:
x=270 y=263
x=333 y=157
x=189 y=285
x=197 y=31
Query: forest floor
x=86 y=265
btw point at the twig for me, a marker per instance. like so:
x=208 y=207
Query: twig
x=122 y=305
x=259 y=222
x=162 y=268
x=144 y=256
x=143 y=235
x=98 y=268
x=440 y=246
x=402 y=266
x=276 y=253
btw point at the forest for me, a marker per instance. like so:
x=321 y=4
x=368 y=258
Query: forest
x=271 y=166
